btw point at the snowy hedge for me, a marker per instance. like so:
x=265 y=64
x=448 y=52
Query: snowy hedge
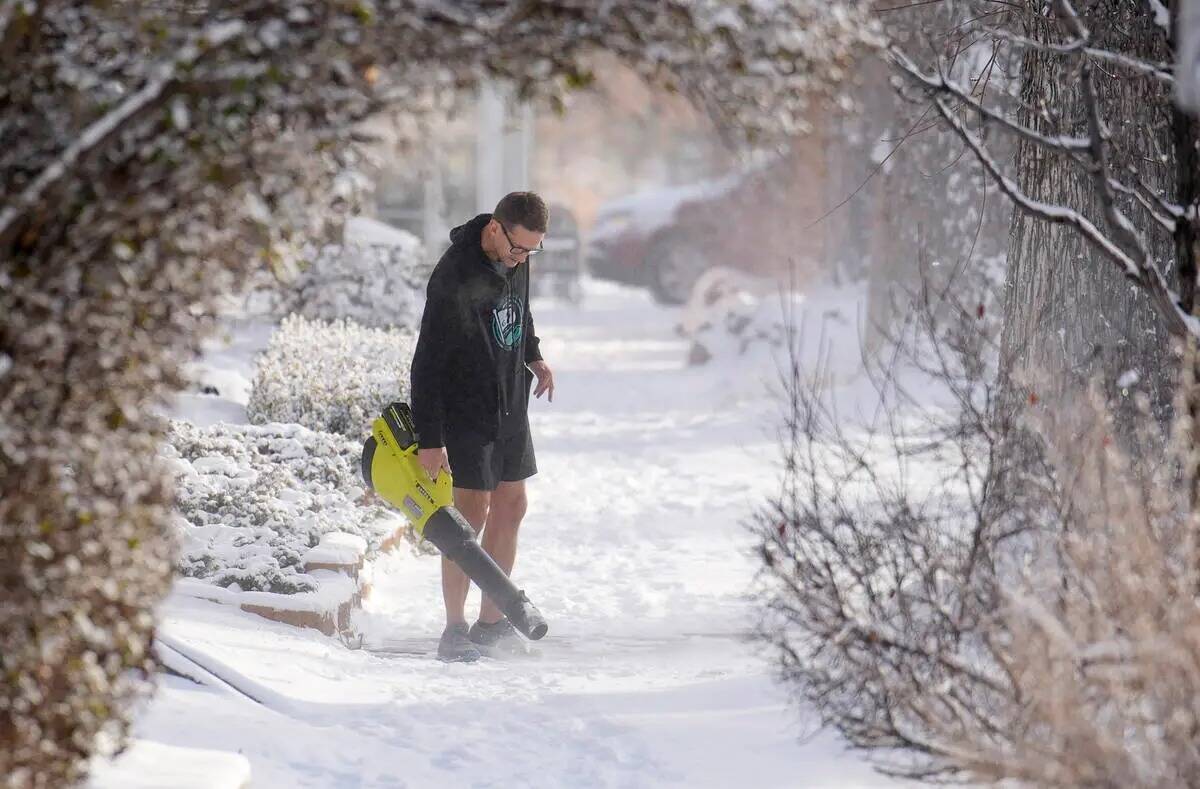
x=252 y=500
x=376 y=277
x=373 y=285
x=330 y=376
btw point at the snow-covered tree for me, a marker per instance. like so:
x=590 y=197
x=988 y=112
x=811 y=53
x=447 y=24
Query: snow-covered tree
x=972 y=615
x=150 y=151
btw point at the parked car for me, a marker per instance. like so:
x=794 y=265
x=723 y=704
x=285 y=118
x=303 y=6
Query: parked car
x=640 y=240
x=761 y=220
x=559 y=270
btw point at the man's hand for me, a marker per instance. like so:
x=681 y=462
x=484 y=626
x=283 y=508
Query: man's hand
x=433 y=460
x=545 y=379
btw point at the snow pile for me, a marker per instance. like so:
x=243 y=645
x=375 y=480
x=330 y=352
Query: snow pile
x=150 y=765
x=252 y=502
x=208 y=379
x=334 y=377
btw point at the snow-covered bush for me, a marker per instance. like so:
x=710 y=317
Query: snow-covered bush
x=252 y=500
x=373 y=285
x=733 y=315
x=331 y=376
x=376 y=277
x=727 y=314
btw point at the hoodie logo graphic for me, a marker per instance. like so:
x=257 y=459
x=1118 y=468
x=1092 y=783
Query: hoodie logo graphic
x=508 y=324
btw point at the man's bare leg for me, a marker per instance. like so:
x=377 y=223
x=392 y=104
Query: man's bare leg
x=508 y=505
x=473 y=504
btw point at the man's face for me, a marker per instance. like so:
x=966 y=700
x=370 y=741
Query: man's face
x=514 y=243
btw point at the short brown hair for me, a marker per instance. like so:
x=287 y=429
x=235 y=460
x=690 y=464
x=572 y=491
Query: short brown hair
x=522 y=208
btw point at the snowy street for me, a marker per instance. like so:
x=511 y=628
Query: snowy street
x=636 y=550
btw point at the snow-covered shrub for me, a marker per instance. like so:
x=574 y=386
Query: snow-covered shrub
x=375 y=276
x=250 y=502
x=371 y=284
x=727 y=314
x=331 y=376
x=732 y=315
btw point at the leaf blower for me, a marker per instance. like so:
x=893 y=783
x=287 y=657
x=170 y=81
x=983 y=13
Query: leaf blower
x=390 y=468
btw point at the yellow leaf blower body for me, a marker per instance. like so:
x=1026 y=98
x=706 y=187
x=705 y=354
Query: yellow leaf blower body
x=390 y=468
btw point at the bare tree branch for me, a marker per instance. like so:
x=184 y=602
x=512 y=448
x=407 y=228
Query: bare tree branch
x=1139 y=270
x=1159 y=71
x=940 y=84
x=1158 y=209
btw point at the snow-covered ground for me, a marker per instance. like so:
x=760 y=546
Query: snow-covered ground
x=634 y=548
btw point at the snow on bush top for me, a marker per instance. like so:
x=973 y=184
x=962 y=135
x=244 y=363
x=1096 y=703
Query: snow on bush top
x=336 y=548
x=376 y=278
x=251 y=502
x=733 y=316
x=727 y=315
x=335 y=377
x=372 y=284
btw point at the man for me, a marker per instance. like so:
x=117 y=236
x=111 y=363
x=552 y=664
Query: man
x=471 y=375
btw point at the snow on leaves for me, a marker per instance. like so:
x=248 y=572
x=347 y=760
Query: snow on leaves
x=252 y=500
x=331 y=376
x=373 y=285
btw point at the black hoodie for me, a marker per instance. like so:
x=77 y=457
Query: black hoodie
x=477 y=335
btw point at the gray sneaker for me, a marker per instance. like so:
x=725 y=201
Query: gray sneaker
x=455 y=646
x=501 y=640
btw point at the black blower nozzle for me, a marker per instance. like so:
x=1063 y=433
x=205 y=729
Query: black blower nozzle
x=449 y=531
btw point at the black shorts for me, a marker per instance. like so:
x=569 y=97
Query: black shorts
x=481 y=463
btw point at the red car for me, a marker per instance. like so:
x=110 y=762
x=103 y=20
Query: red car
x=761 y=220
x=641 y=239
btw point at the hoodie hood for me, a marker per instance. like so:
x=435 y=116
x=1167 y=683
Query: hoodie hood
x=470 y=231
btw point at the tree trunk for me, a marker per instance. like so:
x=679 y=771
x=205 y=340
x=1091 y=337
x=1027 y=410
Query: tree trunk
x=1070 y=315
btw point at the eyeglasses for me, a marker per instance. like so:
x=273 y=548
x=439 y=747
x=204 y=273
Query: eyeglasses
x=518 y=250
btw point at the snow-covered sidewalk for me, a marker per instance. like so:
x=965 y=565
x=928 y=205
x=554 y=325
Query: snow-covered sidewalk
x=636 y=551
